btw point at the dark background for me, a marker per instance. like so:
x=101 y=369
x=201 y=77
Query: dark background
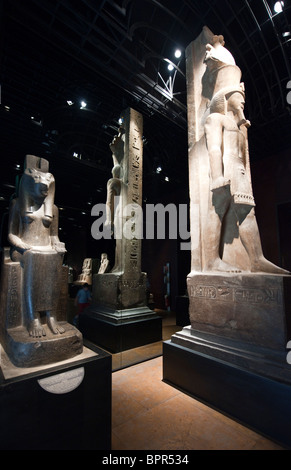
x=111 y=54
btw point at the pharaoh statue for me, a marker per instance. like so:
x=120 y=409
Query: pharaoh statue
x=33 y=271
x=116 y=189
x=229 y=213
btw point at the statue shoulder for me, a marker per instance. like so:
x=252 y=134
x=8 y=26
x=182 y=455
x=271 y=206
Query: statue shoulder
x=215 y=118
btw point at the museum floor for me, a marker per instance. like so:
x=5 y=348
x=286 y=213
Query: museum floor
x=148 y=414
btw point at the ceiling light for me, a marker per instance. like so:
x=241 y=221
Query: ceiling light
x=178 y=53
x=7 y=108
x=166 y=178
x=70 y=103
x=286 y=34
x=83 y=104
x=76 y=155
x=170 y=67
x=278 y=7
x=159 y=169
x=120 y=121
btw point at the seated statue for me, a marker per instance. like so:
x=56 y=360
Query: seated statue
x=86 y=276
x=104 y=265
x=33 y=235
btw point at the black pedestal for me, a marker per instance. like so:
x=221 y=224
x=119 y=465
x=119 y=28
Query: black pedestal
x=258 y=402
x=38 y=412
x=182 y=310
x=120 y=330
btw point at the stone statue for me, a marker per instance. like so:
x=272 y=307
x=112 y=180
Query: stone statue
x=34 y=281
x=86 y=276
x=104 y=265
x=33 y=235
x=116 y=193
x=231 y=189
x=220 y=178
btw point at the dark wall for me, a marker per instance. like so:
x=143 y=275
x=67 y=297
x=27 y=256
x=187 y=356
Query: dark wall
x=272 y=190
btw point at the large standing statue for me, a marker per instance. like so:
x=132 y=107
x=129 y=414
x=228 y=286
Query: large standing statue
x=34 y=273
x=238 y=307
x=116 y=194
x=119 y=304
x=221 y=183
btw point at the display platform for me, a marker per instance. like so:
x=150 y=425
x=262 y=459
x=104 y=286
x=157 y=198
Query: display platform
x=120 y=330
x=61 y=406
x=256 y=401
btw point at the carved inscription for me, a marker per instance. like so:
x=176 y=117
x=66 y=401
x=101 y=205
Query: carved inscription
x=12 y=297
x=237 y=294
x=132 y=283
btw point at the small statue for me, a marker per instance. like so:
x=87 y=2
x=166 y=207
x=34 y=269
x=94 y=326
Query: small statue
x=104 y=265
x=86 y=275
x=33 y=235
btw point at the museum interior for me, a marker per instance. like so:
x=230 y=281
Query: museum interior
x=78 y=78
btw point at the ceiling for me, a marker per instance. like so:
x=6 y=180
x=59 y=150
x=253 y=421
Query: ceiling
x=113 y=54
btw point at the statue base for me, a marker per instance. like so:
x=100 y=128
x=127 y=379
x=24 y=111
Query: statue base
x=233 y=356
x=117 y=291
x=120 y=330
x=61 y=406
x=26 y=351
x=260 y=403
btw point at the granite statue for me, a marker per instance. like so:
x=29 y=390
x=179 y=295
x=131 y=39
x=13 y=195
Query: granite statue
x=34 y=280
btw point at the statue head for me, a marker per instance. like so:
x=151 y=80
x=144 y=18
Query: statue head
x=37 y=186
x=228 y=98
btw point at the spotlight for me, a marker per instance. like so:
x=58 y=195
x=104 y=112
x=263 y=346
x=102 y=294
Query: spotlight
x=120 y=121
x=178 y=53
x=170 y=67
x=83 y=104
x=159 y=169
x=286 y=34
x=167 y=178
x=70 y=103
x=278 y=7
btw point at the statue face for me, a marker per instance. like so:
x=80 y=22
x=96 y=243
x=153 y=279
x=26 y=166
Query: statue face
x=236 y=103
x=39 y=182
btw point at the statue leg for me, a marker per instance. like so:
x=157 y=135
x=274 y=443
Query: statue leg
x=221 y=199
x=250 y=237
x=34 y=326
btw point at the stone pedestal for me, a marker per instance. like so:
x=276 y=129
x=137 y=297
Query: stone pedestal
x=119 y=318
x=120 y=330
x=118 y=291
x=61 y=406
x=233 y=356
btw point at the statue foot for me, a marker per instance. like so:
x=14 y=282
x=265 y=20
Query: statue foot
x=36 y=329
x=265 y=266
x=55 y=327
x=222 y=266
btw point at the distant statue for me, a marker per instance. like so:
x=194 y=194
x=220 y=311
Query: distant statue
x=86 y=274
x=116 y=188
x=232 y=198
x=104 y=265
x=33 y=235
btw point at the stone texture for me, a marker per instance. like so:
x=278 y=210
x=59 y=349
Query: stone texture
x=34 y=284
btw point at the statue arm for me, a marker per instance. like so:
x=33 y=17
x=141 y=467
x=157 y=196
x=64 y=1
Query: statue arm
x=214 y=141
x=14 y=228
x=55 y=241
